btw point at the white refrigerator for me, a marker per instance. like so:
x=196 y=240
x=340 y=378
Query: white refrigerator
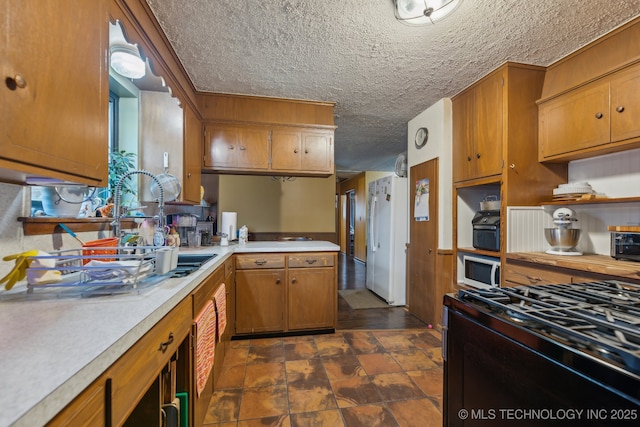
x=387 y=233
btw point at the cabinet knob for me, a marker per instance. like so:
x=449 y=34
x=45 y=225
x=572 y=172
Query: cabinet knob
x=189 y=175
x=294 y=280
x=231 y=147
x=619 y=108
x=468 y=158
x=16 y=82
x=295 y=150
x=242 y=148
x=306 y=151
x=278 y=281
x=599 y=115
x=477 y=155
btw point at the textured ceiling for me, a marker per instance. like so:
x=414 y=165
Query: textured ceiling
x=379 y=72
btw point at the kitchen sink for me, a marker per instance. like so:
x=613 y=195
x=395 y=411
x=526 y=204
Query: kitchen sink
x=188 y=263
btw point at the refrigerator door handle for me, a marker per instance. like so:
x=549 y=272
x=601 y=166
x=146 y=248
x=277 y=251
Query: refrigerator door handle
x=372 y=216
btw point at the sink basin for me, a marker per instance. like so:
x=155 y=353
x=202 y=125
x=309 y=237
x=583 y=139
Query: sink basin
x=194 y=259
x=188 y=263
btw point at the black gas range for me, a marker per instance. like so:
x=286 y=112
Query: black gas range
x=564 y=354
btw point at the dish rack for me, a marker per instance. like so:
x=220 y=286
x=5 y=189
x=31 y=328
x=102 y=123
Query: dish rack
x=102 y=270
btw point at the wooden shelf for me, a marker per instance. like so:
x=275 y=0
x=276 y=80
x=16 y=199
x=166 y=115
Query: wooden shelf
x=33 y=226
x=494 y=254
x=593 y=201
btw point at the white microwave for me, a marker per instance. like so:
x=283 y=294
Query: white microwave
x=481 y=271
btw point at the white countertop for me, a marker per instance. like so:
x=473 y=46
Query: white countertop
x=53 y=348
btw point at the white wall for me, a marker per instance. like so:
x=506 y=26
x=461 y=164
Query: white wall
x=437 y=119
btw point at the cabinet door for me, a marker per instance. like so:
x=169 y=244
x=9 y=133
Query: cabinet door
x=575 y=121
x=462 y=110
x=487 y=132
x=311 y=299
x=317 y=152
x=87 y=409
x=253 y=148
x=625 y=105
x=54 y=98
x=286 y=149
x=220 y=146
x=193 y=142
x=260 y=301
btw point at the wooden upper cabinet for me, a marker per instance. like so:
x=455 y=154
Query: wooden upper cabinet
x=478 y=129
x=54 y=98
x=302 y=151
x=575 y=121
x=192 y=161
x=598 y=118
x=235 y=147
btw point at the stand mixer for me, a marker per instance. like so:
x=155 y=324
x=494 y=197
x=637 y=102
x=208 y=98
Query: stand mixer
x=563 y=238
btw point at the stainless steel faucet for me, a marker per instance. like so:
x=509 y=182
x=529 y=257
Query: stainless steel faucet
x=116 y=201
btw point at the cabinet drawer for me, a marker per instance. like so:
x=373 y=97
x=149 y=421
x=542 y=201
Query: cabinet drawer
x=137 y=369
x=85 y=410
x=526 y=275
x=253 y=261
x=310 y=260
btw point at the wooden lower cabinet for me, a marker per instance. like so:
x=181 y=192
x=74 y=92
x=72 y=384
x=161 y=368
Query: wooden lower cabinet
x=88 y=409
x=299 y=292
x=522 y=273
x=260 y=301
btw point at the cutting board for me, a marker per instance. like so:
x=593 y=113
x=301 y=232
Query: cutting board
x=625 y=228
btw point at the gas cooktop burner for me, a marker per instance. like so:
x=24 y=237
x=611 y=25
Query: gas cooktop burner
x=599 y=318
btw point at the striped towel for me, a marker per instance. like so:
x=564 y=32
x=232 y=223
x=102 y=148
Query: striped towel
x=205 y=344
x=220 y=298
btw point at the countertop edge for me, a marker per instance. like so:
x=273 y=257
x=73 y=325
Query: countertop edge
x=48 y=407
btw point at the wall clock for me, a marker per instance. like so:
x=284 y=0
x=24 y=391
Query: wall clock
x=422 y=136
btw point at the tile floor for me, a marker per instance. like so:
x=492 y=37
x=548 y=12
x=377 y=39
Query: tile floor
x=350 y=378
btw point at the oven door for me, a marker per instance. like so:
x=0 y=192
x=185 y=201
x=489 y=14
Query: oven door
x=494 y=380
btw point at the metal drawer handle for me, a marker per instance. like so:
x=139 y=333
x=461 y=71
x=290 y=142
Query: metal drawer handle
x=260 y=261
x=167 y=343
x=311 y=261
x=16 y=82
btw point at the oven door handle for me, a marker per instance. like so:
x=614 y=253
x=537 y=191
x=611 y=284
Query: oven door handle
x=494 y=269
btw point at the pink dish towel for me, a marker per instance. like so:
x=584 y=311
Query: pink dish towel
x=220 y=298
x=205 y=344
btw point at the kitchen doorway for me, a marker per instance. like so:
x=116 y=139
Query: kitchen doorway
x=350 y=222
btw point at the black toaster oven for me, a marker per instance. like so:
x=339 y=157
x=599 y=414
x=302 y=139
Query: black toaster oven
x=625 y=246
x=486 y=230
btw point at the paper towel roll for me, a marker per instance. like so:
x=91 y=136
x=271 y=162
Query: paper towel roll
x=229 y=224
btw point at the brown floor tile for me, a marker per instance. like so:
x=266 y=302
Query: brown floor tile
x=343 y=366
x=394 y=340
x=263 y=402
x=300 y=350
x=363 y=342
x=396 y=386
x=416 y=413
x=236 y=356
x=378 y=363
x=223 y=407
x=231 y=376
x=279 y=421
x=355 y=391
x=331 y=418
x=368 y=416
x=305 y=370
x=429 y=381
x=266 y=353
x=309 y=396
x=427 y=339
x=413 y=359
x=435 y=354
x=229 y=424
x=264 y=374
x=328 y=345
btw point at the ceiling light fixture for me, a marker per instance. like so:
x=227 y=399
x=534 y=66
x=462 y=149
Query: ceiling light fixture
x=126 y=61
x=422 y=12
